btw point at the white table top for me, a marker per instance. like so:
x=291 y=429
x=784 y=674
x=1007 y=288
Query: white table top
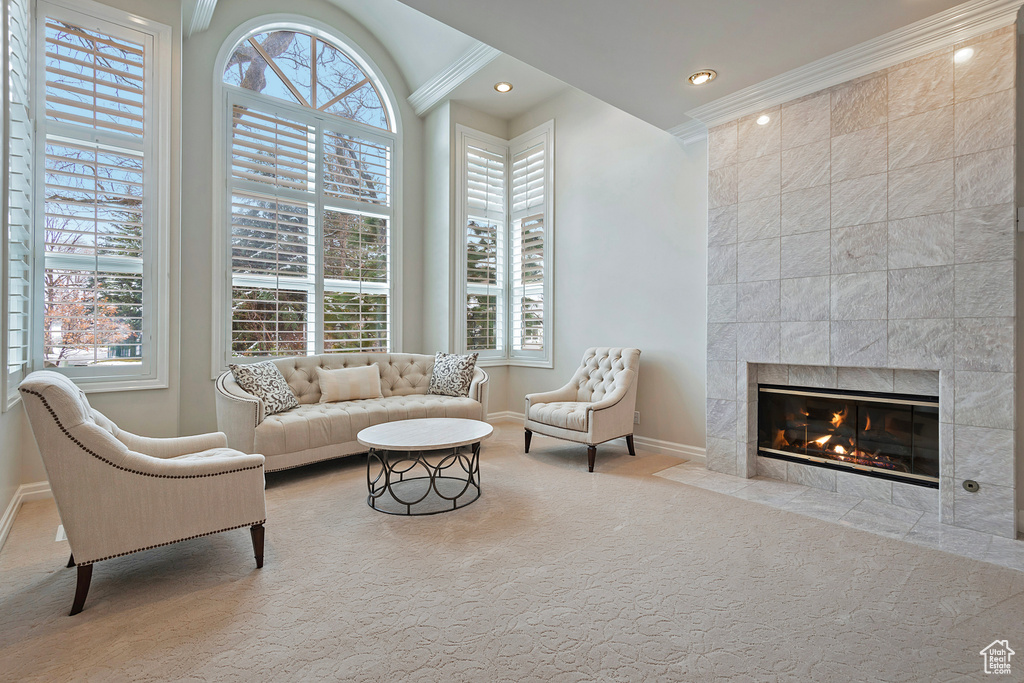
x=424 y=434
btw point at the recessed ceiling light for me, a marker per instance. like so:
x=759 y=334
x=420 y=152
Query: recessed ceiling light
x=763 y=119
x=503 y=86
x=702 y=77
x=963 y=55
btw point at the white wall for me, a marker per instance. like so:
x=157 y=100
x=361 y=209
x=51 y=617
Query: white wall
x=197 y=407
x=630 y=251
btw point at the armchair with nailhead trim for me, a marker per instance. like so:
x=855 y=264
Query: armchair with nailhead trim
x=118 y=493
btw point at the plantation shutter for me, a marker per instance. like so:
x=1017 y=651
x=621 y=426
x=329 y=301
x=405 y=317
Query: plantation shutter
x=529 y=247
x=95 y=228
x=18 y=267
x=485 y=196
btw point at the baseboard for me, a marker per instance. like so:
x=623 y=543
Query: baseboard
x=680 y=450
x=39 y=490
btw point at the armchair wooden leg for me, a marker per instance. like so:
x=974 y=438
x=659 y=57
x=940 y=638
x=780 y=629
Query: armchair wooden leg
x=71 y=562
x=629 y=444
x=82 y=589
x=256 y=531
x=591 y=454
x=529 y=435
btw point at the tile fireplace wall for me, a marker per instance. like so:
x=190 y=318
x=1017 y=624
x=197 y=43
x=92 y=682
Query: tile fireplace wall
x=871 y=226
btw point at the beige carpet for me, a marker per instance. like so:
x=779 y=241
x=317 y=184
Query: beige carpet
x=553 y=575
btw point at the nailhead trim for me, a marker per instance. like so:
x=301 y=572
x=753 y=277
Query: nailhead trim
x=78 y=443
x=160 y=545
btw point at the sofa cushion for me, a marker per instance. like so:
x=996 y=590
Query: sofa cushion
x=265 y=381
x=323 y=424
x=452 y=374
x=565 y=414
x=348 y=384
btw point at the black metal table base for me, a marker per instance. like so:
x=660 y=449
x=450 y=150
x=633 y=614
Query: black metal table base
x=409 y=483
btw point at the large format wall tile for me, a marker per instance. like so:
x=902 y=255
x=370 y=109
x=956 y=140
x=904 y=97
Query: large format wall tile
x=805 y=255
x=806 y=166
x=805 y=342
x=990 y=70
x=984 y=289
x=921 y=293
x=806 y=120
x=721 y=379
x=758 y=260
x=985 y=455
x=860 y=249
x=758 y=219
x=722 y=264
x=985 y=233
x=921 y=86
x=859 y=296
x=806 y=210
x=989 y=510
x=858 y=154
x=921 y=241
x=865 y=379
x=921 y=139
x=921 y=343
x=981 y=123
x=758 y=342
x=924 y=382
x=859 y=201
x=722 y=225
x=984 y=178
x=757 y=301
x=721 y=187
x=860 y=105
x=860 y=343
x=760 y=177
x=722 y=146
x=805 y=299
x=985 y=344
x=984 y=399
x=721 y=341
x=921 y=190
x=755 y=139
x=819 y=377
x=722 y=303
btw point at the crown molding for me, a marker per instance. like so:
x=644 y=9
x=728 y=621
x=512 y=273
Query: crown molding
x=202 y=13
x=938 y=31
x=448 y=79
x=690 y=132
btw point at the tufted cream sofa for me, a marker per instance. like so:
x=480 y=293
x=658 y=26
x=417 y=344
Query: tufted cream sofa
x=317 y=431
x=595 y=406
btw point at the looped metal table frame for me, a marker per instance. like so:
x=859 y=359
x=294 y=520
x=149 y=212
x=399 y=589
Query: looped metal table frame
x=393 y=466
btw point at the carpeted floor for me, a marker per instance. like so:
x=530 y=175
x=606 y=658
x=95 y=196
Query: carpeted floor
x=553 y=575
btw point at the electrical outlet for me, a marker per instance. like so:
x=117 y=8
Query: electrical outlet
x=636 y=417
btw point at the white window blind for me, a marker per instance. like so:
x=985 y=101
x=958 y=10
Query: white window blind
x=485 y=178
x=102 y=228
x=506 y=221
x=529 y=174
x=20 y=150
x=310 y=223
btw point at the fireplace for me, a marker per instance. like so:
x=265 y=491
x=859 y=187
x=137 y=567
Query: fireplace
x=890 y=436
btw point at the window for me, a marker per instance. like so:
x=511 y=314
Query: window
x=103 y=158
x=310 y=159
x=505 y=225
x=17 y=266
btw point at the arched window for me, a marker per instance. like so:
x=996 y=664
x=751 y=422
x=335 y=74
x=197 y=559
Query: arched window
x=310 y=144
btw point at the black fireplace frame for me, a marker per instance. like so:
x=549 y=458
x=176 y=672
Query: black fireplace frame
x=826 y=463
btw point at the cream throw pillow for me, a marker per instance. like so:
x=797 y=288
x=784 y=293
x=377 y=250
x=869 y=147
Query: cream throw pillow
x=349 y=384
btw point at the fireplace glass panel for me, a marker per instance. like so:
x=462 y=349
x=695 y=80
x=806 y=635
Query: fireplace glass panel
x=894 y=436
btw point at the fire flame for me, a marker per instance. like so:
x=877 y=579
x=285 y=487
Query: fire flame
x=867 y=427
x=840 y=450
x=838 y=418
x=821 y=441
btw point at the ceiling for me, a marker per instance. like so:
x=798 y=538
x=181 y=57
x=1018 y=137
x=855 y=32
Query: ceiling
x=530 y=87
x=636 y=55
x=420 y=46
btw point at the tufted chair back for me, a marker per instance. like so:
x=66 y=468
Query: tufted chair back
x=401 y=374
x=603 y=370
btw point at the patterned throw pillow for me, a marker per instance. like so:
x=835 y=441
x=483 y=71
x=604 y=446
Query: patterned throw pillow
x=452 y=374
x=265 y=382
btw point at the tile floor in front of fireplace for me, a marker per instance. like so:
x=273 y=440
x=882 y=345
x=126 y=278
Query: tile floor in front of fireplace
x=881 y=518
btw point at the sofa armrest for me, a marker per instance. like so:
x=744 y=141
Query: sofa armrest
x=172 y=447
x=238 y=413
x=478 y=390
x=566 y=393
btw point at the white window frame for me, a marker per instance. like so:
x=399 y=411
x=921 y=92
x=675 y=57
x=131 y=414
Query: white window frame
x=224 y=97
x=9 y=395
x=507 y=354
x=156 y=150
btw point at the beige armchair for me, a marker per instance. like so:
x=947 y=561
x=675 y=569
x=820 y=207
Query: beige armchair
x=118 y=493
x=595 y=406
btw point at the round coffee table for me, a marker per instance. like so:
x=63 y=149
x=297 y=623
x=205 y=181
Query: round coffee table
x=418 y=467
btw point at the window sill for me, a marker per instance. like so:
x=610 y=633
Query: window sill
x=515 y=363
x=107 y=386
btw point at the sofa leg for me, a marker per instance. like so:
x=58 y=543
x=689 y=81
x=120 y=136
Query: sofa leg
x=256 y=531
x=71 y=561
x=529 y=435
x=629 y=444
x=82 y=589
x=591 y=454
